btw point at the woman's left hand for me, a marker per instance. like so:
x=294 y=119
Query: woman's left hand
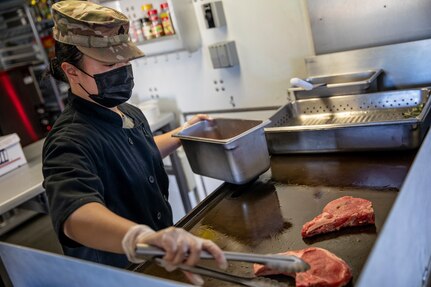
x=197 y=118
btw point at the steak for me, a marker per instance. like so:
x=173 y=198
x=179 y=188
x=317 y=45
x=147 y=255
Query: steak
x=326 y=269
x=342 y=212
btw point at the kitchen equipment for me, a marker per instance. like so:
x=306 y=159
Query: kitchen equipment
x=297 y=82
x=278 y=262
x=40 y=267
x=244 y=281
x=150 y=109
x=11 y=154
x=243 y=224
x=375 y=121
x=232 y=150
x=338 y=84
x=298 y=202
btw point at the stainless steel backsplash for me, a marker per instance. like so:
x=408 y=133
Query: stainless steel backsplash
x=404 y=65
x=340 y=25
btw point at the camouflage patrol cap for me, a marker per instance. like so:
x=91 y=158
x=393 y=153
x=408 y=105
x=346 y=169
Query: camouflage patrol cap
x=97 y=31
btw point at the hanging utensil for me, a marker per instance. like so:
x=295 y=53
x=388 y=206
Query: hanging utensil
x=304 y=84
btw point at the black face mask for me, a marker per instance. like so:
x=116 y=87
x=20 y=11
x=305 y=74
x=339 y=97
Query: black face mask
x=115 y=86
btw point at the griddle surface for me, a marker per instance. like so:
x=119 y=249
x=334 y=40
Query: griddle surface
x=266 y=216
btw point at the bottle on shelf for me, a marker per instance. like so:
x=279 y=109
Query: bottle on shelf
x=165 y=15
x=146 y=8
x=45 y=10
x=138 y=30
x=40 y=9
x=132 y=33
x=156 y=25
x=147 y=28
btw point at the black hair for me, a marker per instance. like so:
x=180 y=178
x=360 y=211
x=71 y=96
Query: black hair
x=64 y=53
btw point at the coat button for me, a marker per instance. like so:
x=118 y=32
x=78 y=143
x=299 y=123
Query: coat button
x=151 y=179
x=159 y=215
x=130 y=141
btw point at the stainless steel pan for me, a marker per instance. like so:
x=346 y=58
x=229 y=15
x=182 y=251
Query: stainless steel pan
x=375 y=121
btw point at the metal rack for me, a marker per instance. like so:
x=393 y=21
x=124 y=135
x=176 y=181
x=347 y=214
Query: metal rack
x=19 y=39
x=20 y=45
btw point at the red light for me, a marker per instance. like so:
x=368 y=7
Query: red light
x=48 y=128
x=10 y=91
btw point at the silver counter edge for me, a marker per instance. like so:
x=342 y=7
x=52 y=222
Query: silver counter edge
x=402 y=253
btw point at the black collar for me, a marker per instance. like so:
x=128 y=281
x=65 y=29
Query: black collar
x=99 y=112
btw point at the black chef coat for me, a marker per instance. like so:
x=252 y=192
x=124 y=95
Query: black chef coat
x=89 y=157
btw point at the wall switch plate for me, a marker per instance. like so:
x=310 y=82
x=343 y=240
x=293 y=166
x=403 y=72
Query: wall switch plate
x=214 y=14
x=224 y=54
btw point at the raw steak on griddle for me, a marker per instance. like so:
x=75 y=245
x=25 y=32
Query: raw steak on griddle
x=326 y=269
x=342 y=212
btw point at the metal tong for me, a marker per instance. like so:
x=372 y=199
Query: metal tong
x=282 y=263
x=245 y=281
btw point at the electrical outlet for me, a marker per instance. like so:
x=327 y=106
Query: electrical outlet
x=128 y=12
x=154 y=93
x=132 y=11
x=219 y=85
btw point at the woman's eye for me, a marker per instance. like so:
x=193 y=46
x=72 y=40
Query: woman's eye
x=110 y=65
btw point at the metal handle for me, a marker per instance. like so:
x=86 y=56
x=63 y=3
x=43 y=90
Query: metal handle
x=245 y=281
x=301 y=83
x=278 y=262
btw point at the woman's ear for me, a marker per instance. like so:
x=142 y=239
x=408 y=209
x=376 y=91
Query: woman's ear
x=71 y=72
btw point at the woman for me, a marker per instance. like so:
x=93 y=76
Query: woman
x=103 y=170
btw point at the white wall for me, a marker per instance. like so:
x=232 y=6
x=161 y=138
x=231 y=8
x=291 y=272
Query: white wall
x=272 y=38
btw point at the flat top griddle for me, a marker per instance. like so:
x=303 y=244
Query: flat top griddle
x=266 y=216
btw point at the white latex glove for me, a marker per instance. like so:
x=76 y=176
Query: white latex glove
x=133 y=236
x=181 y=247
x=195 y=119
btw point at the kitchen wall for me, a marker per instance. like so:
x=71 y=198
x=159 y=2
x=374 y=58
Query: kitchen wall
x=339 y=25
x=272 y=39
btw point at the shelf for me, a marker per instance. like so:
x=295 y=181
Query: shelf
x=28 y=55
x=45 y=21
x=15 y=48
x=187 y=35
x=16 y=18
x=18 y=37
x=21 y=46
x=7 y=67
x=155 y=40
x=8 y=6
x=5 y=34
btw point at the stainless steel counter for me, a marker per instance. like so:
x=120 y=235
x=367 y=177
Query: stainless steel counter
x=266 y=216
x=163 y=120
x=25 y=183
x=402 y=253
x=39 y=267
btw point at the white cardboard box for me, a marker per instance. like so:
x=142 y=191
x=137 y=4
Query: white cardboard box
x=11 y=154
